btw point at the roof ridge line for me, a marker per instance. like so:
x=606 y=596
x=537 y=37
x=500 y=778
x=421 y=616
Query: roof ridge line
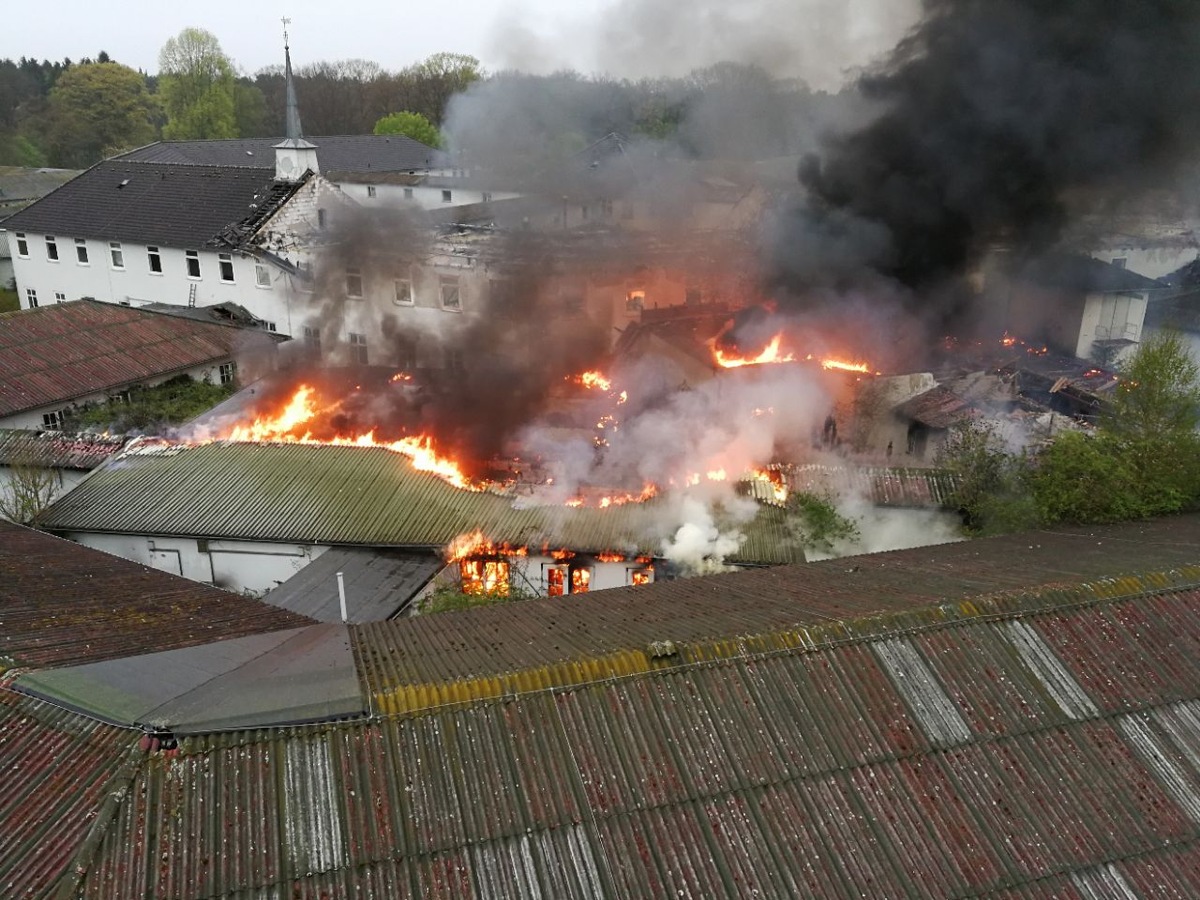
x=629 y=662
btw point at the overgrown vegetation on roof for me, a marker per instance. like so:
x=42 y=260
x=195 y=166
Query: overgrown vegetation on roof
x=153 y=408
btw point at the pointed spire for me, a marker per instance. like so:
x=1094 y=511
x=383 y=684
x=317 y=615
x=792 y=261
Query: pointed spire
x=293 y=155
x=294 y=131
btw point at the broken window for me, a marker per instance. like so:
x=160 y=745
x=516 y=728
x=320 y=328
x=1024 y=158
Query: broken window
x=640 y=576
x=484 y=575
x=581 y=580
x=565 y=578
x=556 y=581
x=635 y=301
x=228 y=372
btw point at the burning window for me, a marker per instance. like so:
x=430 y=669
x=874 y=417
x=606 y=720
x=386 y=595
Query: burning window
x=635 y=301
x=556 y=581
x=640 y=576
x=450 y=293
x=581 y=580
x=354 y=283
x=484 y=575
x=566 y=578
x=358 y=348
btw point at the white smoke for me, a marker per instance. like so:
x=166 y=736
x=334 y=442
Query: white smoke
x=699 y=545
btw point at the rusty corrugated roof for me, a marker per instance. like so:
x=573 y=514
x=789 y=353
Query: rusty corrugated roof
x=63 y=604
x=1044 y=743
x=324 y=494
x=54 y=354
x=57 y=449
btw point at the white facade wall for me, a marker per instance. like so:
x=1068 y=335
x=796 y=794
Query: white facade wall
x=33 y=418
x=136 y=284
x=1111 y=316
x=419 y=196
x=238 y=566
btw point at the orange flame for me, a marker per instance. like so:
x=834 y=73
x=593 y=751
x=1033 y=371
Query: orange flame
x=775 y=479
x=610 y=557
x=594 y=379
x=401 y=376
x=770 y=354
x=474 y=543
x=843 y=366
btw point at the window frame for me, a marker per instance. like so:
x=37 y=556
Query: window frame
x=60 y=297
x=354 y=279
x=116 y=256
x=450 y=281
x=81 y=252
x=322 y=218
x=190 y=257
x=225 y=260
x=406 y=280
x=371 y=192
x=260 y=270
x=153 y=259
x=358 y=348
x=227 y=372
x=408 y=193
x=22 y=244
x=52 y=248
x=447 y=195
x=31 y=298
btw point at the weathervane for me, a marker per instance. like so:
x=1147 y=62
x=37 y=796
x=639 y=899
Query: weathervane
x=286 y=22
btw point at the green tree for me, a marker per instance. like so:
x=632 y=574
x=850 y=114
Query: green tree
x=410 y=124
x=991 y=483
x=198 y=86
x=96 y=110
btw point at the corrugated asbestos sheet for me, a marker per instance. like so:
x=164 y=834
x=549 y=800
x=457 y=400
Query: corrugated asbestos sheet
x=559 y=632
x=877 y=485
x=356 y=495
x=1038 y=745
x=56 y=353
x=63 y=604
x=56 y=448
x=379 y=584
x=56 y=769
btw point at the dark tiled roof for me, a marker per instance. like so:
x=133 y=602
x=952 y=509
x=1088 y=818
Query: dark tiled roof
x=54 y=354
x=20 y=186
x=57 y=449
x=314 y=493
x=1084 y=273
x=338 y=153
x=171 y=205
x=62 y=604
x=1037 y=745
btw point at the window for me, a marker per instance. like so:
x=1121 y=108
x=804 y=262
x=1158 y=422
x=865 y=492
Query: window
x=370 y=190
x=262 y=276
x=60 y=297
x=487 y=196
x=635 y=301
x=228 y=372
x=117 y=254
x=321 y=218
x=270 y=326
x=567 y=578
x=31 y=298
x=354 y=284
x=193 y=263
x=22 y=245
x=312 y=339
x=225 y=264
x=581 y=580
x=640 y=576
x=51 y=248
x=484 y=576
x=54 y=419
x=556 y=581
x=447 y=196
x=450 y=294
x=1121 y=262
x=81 y=253
x=406 y=352
x=155 y=260
x=408 y=195
x=358 y=348
x=404 y=292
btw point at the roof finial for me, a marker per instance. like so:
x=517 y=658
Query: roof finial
x=286 y=22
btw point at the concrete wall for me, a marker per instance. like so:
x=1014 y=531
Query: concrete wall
x=234 y=565
x=1111 y=316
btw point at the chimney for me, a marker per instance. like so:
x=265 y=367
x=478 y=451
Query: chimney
x=293 y=155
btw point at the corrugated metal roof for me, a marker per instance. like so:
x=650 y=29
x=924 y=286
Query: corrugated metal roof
x=63 y=604
x=356 y=495
x=414 y=658
x=379 y=584
x=54 y=354
x=822 y=765
x=57 y=449
x=57 y=769
x=878 y=485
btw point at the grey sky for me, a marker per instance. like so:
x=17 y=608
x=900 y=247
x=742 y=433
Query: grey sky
x=815 y=39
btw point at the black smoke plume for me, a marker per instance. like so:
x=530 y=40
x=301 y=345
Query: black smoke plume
x=991 y=111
